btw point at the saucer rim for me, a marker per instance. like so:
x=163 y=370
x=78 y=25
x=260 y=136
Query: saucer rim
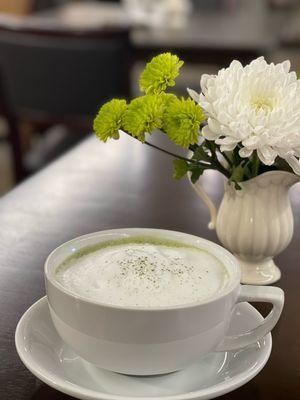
x=80 y=392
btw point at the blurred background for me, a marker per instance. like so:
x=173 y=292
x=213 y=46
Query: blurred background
x=61 y=59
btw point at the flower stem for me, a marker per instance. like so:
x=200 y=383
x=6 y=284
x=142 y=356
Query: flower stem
x=176 y=155
x=220 y=167
x=212 y=164
x=255 y=164
x=215 y=161
x=226 y=158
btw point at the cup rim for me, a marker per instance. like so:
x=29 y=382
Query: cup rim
x=227 y=259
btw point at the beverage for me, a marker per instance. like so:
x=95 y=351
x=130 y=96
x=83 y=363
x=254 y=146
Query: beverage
x=143 y=272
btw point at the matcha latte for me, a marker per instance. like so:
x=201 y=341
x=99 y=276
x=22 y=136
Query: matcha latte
x=143 y=272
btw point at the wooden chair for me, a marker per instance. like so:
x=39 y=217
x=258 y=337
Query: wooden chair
x=61 y=76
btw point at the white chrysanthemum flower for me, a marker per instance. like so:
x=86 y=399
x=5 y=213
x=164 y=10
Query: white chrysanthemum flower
x=257 y=107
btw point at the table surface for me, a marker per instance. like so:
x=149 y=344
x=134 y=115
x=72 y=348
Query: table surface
x=100 y=186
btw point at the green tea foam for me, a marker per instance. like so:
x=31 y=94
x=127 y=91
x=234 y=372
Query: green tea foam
x=143 y=274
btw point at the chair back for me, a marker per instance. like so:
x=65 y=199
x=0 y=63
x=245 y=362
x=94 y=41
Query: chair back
x=63 y=74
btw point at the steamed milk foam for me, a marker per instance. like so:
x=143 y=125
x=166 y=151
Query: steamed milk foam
x=143 y=272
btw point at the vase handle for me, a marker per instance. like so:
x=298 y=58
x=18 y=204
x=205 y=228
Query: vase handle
x=266 y=294
x=208 y=202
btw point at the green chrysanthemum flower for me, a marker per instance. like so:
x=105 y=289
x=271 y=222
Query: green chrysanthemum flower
x=182 y=121
x=168 y=98
x=144 y=114
x=109 y=119
x=160 y=73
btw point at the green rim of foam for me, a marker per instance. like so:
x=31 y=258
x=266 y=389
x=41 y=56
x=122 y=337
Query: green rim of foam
x=128 y=240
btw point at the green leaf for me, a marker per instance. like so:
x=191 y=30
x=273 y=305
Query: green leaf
x=196 y=171
x=200 y=154
x=180 y=168
x=196 y=174
x=211 y=146
x=160 y=73
x=237 y=175
x=236 y=157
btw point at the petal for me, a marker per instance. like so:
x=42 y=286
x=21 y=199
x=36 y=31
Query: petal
x=205 y=80
x=286 y=65
x=227 y=147
x=293 y=163
x=245 y=153
x=251 y=142
x=214 y=125
x=207 y=107
x=208 y=134
x=227 y=140
x=194 y=95
x=224 y=117
x=260 y=61
x=235 y=64
x=267 y=155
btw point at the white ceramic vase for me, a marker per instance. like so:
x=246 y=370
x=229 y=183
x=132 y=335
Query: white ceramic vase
x=255 y=223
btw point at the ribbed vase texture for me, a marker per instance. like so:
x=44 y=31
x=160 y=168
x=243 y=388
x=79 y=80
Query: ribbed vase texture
x=256 y=222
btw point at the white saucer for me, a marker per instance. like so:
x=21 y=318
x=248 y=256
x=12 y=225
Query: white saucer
x=52 y=361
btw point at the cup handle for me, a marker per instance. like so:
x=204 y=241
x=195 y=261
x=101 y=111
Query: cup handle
x=266 y=294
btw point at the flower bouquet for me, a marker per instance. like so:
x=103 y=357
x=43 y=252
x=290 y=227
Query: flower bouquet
x=245 y=123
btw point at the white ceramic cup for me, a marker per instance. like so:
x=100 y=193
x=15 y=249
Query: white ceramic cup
x=148 y=341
